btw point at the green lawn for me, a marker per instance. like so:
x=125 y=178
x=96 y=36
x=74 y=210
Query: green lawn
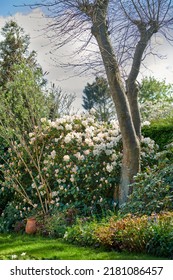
x=55 y=249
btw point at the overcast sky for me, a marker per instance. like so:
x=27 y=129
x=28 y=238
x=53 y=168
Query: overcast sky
x=33 y=22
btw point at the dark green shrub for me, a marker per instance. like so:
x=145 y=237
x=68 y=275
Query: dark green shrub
x=5 y=195
x=161 y=132
x=161 y=243
x=9 y=218
x=152 y=192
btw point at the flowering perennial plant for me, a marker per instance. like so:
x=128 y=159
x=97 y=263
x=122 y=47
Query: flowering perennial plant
x=73 y=161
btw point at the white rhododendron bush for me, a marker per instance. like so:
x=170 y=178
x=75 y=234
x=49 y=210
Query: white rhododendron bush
x=72 y=162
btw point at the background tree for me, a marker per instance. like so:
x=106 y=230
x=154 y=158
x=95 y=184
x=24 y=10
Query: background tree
x=151 y=89
x=156 y=99
x=132 y=23
x=97 y=96
x=14 y=50
x=59 y=103
x=23 y=101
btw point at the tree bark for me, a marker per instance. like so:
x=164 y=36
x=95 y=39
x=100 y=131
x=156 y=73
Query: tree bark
x=131 y=86
x=132 y=95
x=131 y=143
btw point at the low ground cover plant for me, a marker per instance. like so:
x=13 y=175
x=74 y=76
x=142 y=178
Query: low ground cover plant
x=148 y=234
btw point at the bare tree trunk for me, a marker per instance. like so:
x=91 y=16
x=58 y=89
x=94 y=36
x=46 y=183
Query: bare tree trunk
x=131 y=144
x=132 y=95
x=130 y=167
x=131 y=86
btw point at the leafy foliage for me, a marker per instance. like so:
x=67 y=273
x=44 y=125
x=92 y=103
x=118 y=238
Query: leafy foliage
x=14 y=51
x=23 y=103
x=155 y=99
x=148 y=234
x=155 y=90
x=152 y=192
x=161 y=132
x=161 y=243
x=82 y=233
x=9 y=217
x=73 y=162
x=5 y=195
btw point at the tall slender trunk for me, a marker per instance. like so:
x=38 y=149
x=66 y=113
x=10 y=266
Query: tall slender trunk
x=131 y=144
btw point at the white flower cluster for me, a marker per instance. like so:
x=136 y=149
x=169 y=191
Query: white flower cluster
x=149 y=142
x=77 y=154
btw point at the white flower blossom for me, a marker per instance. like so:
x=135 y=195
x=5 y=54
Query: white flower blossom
x=89 y=142
x=31 y=134
x=68 y=127
x=67 y=139
x=85 y=123
x=60 y=127
x=14 y=257
x=147 y=123
x=53 y=154
x=66 y=158
x=92 y=111
x=54 y=194
x=74 y=169
x=86 y=152
x=72 y=179
x=108 y=152
x=109 y=168
x=79 y=156
x=43 y=120
x=114 y=156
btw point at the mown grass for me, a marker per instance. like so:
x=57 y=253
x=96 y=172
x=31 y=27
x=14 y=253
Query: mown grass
x=40 y=248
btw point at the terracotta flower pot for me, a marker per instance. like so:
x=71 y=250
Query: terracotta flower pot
x=31 y=226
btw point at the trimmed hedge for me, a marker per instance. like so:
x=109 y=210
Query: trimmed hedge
x=161 y=132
